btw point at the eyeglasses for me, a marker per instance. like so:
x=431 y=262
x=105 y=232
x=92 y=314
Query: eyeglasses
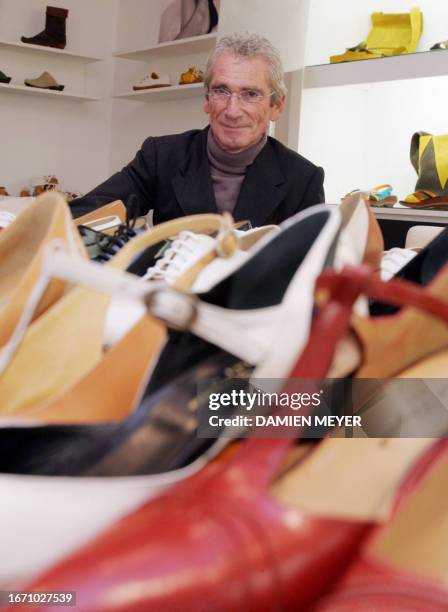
x=221 y=95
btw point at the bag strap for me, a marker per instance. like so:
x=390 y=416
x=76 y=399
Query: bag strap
x=415 y=146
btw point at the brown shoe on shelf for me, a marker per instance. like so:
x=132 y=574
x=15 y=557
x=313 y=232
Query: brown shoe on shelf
x=4 y=79
x=54 y=33
x=44 y=81
x=192 y=75
x=3 y=191
x=48 y=182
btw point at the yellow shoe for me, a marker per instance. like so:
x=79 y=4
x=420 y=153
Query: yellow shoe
x=192 y=75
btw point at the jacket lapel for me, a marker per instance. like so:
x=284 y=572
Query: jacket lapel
x=263 y=189
x=192 y=184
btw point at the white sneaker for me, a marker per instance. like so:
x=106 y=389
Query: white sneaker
x=153 y=80
x=186 y=250
x=6 y=218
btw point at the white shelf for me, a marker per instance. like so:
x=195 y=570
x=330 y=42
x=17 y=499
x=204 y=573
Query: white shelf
x=49 y=93
x=174 y=92
x=411 y=214
x=194 y=44
x=410 y=66
x=40 y=49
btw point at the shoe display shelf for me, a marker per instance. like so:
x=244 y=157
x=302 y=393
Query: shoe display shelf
x=410 y=66
x=195 y=44
x=357 y=118
x=38 y=49
x=410 y=214
x=35 y=91
x=174 y=92
x=171 y=51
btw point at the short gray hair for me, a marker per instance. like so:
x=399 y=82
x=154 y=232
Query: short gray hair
x=247 y=44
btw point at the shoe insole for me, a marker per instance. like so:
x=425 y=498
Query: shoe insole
x=111 y=390
x=45 y=219
x=394 y=342
x=416 y=539
x=63 y=345
x=354 y=479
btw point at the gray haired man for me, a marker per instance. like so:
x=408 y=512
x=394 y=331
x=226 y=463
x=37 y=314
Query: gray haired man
x=231 y=165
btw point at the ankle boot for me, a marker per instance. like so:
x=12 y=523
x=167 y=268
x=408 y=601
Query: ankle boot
x=54 y=33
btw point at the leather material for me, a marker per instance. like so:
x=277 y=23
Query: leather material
x=219 y=538
x=376 y=582
x=421 y=269
x=114 y=208
x=50 y=370
x=373 y=587
x=159 y=435
x=186 y=18
x=220 y=547
x=44 y=81
x=54 y=34
x=21 y=248
x=171 y=175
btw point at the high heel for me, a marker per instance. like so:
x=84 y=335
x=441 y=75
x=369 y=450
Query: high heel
x=65 y=343
x=261 y=312
x=238 y=521
x=235 y=524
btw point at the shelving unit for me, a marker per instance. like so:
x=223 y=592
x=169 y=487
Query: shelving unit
x=35 y=91
x=174 y=92
x=195 y=44
x=357 y=118
x=411 y=214
x=167 y=58
x=26 y=48
x=66 y=133
x=401 y=67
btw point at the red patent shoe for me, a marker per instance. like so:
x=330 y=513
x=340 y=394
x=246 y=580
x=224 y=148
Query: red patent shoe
x=403 y=566
x=236 y=538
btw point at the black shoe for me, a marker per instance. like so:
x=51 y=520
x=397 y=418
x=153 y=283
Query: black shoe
x=161 y=435
x=4 y=78
x=54 y=33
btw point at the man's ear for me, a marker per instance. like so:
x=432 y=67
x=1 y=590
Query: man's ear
x=206 y=105
x=277 y=109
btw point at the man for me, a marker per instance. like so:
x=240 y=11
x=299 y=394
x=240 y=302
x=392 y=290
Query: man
x=232 y=165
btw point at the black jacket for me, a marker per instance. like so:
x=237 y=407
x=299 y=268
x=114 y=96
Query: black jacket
x=171 y=175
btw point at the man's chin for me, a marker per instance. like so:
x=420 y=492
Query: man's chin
x=233 y=144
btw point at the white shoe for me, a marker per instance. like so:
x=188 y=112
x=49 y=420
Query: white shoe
x=152 y=81
x=204 y=258
x=393 y=260
x=6 y=218
x=184 y=252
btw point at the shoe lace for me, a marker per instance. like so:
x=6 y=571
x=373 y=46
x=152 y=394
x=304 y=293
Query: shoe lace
x=102 y=247
x=176 y=258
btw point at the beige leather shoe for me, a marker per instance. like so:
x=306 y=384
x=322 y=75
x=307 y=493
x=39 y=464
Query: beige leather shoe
x=45 y=81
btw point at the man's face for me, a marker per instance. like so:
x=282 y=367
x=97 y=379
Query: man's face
x=237 y=126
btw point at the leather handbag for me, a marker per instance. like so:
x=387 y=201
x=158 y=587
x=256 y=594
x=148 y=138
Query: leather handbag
x=429 y=156
x=186 y=18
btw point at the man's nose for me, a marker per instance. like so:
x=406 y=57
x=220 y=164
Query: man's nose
x=233 y=108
